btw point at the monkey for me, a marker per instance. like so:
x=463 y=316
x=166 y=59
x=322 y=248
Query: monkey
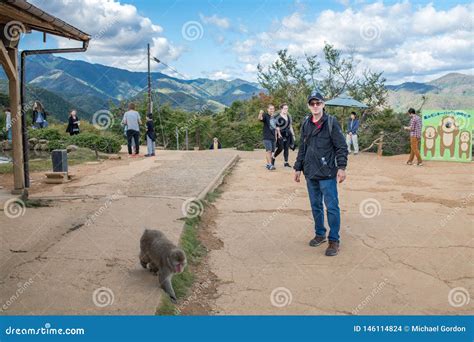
x=160 y=255
x=429 y=145
x=464 y=144
x=447 y=133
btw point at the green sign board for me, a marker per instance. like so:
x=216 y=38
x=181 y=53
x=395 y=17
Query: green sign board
x=446 y=135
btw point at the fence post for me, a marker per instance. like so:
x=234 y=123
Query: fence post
x=177 y=139
x=380 y=145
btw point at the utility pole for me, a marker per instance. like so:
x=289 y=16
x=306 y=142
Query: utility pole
x=149 y=81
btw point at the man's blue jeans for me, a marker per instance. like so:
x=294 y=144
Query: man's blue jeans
x=326 y=190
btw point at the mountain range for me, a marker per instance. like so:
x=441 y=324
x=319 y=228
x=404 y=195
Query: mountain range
x=62 y=84
x=91 y=87
x=451 y=91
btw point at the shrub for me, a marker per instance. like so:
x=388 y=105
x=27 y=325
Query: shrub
x=103 y=143
x=49 y=133
x=57 y=145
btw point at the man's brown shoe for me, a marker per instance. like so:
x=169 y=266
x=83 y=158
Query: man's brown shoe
x=333 y=248
x=317 y=241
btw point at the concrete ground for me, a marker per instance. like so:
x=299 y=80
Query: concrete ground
x=80 y=255
x=406 y=241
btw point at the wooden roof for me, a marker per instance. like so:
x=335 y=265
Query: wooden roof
x=29 y=17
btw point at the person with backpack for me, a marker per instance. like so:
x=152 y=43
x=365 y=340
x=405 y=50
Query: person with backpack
x=322 y=158
x=150 y=136
x=285 y=134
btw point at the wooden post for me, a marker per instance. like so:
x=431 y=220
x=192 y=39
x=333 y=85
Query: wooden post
x=17 y=141
x=380 y=145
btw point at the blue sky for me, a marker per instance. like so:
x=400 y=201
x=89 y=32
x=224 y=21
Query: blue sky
x=408 y=40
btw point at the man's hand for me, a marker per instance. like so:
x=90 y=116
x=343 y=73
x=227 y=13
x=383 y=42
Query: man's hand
x=260 y=115
x=341 y=175
x=297 y=176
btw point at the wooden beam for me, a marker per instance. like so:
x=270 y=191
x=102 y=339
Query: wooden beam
x=17 y=141
x=8 y=66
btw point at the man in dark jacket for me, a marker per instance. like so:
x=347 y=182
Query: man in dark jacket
x=323 y=159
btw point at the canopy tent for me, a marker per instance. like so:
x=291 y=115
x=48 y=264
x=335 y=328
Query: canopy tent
x=345 y=101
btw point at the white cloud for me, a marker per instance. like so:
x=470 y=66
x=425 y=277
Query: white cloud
x=223 y=23
x=119 y=34
x=219 y=75
x=400 y=39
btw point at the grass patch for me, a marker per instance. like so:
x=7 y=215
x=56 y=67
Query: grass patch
x=80 y=156
x=37 y=203
x=182 y=282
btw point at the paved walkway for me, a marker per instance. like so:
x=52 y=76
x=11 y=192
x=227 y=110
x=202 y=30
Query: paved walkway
x=80 y=256
x=406 y=248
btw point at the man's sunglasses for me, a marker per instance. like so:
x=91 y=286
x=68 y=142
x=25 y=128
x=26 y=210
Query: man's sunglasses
x=315 y=103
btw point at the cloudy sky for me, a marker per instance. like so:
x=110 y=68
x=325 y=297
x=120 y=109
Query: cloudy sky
x=408 y=40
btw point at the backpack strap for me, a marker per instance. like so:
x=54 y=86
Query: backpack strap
x=330 y=123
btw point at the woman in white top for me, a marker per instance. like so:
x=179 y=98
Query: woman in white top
x=8 y=124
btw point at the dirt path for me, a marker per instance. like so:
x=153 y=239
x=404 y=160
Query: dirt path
x=80 y=254
x=407 y=241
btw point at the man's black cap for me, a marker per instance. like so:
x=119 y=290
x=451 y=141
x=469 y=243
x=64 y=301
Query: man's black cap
x=315 y=95
x=411 y=111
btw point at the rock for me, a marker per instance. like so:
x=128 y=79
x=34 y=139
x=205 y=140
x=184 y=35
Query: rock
x=33 y=141
x=72 y=148
x=114 y=157
x=43 y=147
x=43 y=141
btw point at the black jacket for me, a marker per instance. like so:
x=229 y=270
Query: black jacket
x=321 y=153
x=35 y=116
x=150 y=130
x=72 y=125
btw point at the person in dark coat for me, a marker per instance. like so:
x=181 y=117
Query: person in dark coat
x=322 y=158
x=73 y=123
